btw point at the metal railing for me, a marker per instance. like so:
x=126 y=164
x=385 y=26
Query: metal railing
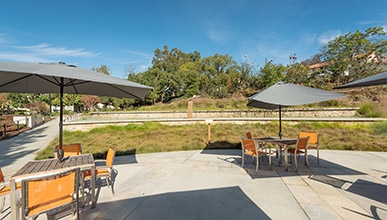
x=6 y=128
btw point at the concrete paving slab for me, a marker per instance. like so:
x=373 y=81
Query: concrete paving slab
x=211 y=184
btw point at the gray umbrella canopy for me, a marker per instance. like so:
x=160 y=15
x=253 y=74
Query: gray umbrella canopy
x=378 y=79
x=61 y=78
x=283 y=94
x=46 y=78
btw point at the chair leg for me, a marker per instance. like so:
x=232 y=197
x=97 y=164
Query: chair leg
x=107 y=181
x=318 y=156
x=2 y=202
x=306 y=158
x=295 y=161
x=257 y=165
x=243 y=159
x=286 y=160
x=82 y=188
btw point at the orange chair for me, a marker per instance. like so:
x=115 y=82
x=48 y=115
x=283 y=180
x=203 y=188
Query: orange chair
x=313 y=142
x=252 y=149
x=5 y=189
x=301 y=148
x=44 y=193
x=261 y=144
x=104 y=168
x=69 y=149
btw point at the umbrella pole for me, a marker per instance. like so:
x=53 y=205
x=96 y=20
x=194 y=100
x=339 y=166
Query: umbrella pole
x=60 y=153
x=61 y=114
x=280 y=123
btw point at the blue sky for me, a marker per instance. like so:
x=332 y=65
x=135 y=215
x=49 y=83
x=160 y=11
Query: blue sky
x=125 y=33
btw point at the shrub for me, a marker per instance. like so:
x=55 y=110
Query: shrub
x=379 y=128
x=369 y=111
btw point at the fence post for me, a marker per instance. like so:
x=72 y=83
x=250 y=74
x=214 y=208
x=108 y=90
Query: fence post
x=5 y=131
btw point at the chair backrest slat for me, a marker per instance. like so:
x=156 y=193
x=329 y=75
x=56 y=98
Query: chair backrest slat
x=110 y=156
x=313 y=138
x=302 y=142
x=70 y=149
x=248 y=144
x=41 y=194
x=1 y=176
x=248 y=135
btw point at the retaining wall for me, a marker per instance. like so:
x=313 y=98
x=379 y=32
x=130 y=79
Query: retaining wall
x=290 y=115
x=286 y=112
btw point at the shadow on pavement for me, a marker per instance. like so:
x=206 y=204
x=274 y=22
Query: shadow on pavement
x=220 y=203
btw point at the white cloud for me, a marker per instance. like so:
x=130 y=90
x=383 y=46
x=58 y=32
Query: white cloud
x=23 y=57
x=328 y=36
x=308 y=39
x=219 y=32
x=39 y=53
x=140 y=54
x=47 y=50
x=4 y=39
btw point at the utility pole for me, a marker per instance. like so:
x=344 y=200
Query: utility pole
x=293 y=59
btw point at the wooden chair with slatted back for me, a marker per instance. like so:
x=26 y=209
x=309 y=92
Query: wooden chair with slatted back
x=104 y=168
x=300 y=148
x=313 y=142
x=252 y=149
x=69 y=149
x=41 y=194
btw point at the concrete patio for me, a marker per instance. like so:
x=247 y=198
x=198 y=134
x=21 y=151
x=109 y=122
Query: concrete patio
x=211 y=184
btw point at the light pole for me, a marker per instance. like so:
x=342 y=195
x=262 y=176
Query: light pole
x=209 y=121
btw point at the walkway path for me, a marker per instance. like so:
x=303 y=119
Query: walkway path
x=17 y=150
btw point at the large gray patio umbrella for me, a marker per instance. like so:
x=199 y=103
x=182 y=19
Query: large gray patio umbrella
x=61 y=78
x=283 y=94
x=378 y=79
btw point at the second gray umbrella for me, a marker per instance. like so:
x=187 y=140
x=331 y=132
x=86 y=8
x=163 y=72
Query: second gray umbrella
x=378 y=79
x=283 y=94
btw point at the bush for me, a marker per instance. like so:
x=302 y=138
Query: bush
x=369 y=111
x=379 y=128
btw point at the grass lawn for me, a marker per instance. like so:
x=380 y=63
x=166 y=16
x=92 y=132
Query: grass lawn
x=155 y=137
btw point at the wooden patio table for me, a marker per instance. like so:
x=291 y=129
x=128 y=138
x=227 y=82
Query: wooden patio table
x=280 y=143
x=42 y=167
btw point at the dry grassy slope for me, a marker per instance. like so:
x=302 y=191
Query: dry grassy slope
x=377 y=95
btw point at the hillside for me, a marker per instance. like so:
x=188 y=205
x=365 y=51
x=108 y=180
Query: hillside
x=372 y=96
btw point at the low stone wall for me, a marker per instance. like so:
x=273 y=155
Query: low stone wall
x=261 y=113
x=289 y=115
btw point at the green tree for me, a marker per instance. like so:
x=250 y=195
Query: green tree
x=270 y=74
x=247 y=75
x=68 y=100
x=223 y=73
x=102 y=69
x=191 y=75
x=355 y=55
x=297 y=74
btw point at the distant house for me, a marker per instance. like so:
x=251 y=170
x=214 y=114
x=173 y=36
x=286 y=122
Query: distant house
x=381 y=64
